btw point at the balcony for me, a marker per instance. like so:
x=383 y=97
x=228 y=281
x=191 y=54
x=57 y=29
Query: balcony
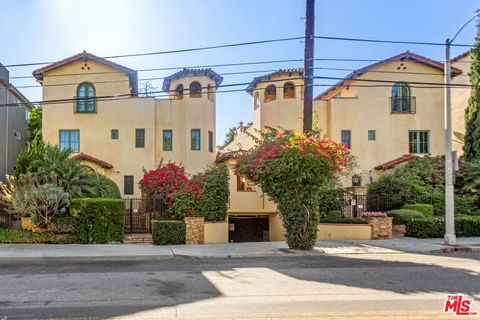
x=403 y=104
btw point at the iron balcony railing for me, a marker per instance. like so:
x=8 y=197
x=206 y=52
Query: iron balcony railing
x=403 y=104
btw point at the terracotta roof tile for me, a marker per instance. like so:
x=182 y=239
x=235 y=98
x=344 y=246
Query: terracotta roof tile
x=392 y=163
x=259 y=79
x=407 y=55
x=192 y=72
x=86 y=157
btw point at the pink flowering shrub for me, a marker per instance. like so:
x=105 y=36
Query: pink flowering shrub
x=373 y=214
x=291 y=169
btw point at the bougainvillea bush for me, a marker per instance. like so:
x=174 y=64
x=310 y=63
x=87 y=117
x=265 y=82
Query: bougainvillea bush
x=292 y=168
x=202 y=195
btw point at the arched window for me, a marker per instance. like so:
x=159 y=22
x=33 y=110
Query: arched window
x=195 y=90
x=288 y=90
x=85 y=98
x=401 y=99
x=256 y=100
x=179 y=92
x=270 y=93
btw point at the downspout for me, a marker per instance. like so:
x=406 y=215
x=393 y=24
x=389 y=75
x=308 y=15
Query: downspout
x=7 y=89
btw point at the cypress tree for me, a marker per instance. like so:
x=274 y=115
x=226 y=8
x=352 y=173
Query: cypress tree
x=472 y=113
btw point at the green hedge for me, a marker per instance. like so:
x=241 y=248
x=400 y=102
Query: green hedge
x=17 y=235
x=465 y=226
x=168 y=232
x=402 y=216
x=339 y=218
x=97 y=220
x=426 y=209
x=105 y=188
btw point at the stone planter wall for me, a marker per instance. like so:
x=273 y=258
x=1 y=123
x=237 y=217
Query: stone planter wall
x=381 y=227
x=399 y=230
x=194 y=230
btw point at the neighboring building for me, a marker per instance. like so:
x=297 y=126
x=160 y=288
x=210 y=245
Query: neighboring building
x=14 y=112
x=460 y=98
x=384 y=113
x=115 y=132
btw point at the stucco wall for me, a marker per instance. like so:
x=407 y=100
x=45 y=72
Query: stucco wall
x=216 y=232
x=127 y=114
x=344 y=232
x=460 y=98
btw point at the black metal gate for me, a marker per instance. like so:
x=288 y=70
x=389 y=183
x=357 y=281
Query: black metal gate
x=139 y=213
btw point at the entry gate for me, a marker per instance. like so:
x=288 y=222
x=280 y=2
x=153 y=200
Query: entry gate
x=139 y=213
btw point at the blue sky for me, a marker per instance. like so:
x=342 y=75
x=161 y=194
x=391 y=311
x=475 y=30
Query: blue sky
x=50 y=30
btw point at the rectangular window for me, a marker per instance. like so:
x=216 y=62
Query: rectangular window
x=114 y=134
x=127 y=185
x=418 y=142
x=210 y=141
x=372 y=135
x=139 y=138
x=195 y=139
x=167 y=140
x=346 y=138
x=70 y=139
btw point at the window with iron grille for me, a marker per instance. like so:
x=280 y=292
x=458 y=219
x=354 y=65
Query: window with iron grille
x=418 y=142
x=86 y=98
x=139 y=138
x=401 y=100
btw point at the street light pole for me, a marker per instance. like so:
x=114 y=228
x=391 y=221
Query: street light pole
x=449 y=236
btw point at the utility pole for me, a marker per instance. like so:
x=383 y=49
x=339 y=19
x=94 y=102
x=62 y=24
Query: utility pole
x=308 y=69
x=449 y=197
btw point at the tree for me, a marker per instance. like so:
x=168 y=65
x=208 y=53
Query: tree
x=230 y=136
x=35 y=124
x=472 y=113
x=292 y=169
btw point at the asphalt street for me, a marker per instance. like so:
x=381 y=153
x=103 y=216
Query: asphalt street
x=401 y=286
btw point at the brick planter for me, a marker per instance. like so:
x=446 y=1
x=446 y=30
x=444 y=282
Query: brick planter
x=399 y=230
x=381 y=227
x=194 y=230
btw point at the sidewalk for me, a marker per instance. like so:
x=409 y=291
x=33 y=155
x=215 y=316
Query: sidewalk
x=257 y=249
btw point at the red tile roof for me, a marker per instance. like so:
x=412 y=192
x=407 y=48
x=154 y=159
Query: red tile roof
x=86 y=157
x=192 y=72
x=132 y=74
x=392 y=163
x=407 y=55
x=267 y=77
x=460 y=56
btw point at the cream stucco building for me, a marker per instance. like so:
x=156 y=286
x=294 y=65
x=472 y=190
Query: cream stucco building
x=93 y=108
x=387 y=113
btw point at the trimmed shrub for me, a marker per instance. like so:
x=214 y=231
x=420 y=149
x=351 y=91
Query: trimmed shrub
x=426 y=209
x=24 y=236
x=168 y=232
x=105 y=188
x=97 y=220
x=215 y=190
x=465 y=226
x=340 y=218
x=402 y=216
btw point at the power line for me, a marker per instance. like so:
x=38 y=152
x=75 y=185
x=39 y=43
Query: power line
x=394 y=72
x=143 y=79
x=171 y=51
x=391 y=41
x=173 y=68
x=433 y=84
